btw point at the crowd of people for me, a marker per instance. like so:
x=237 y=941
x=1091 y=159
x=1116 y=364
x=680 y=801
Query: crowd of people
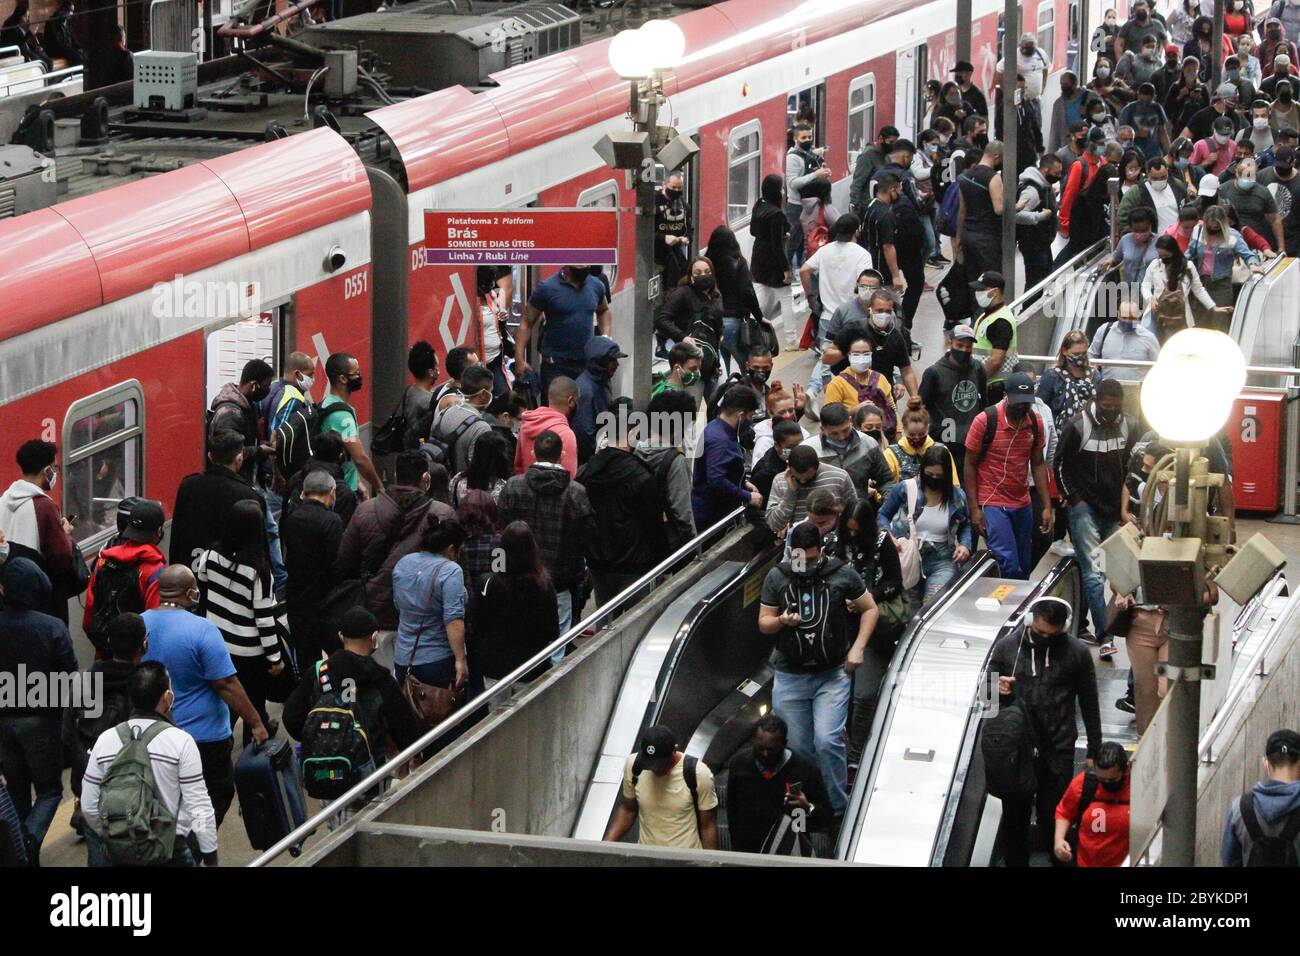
x=511 y=483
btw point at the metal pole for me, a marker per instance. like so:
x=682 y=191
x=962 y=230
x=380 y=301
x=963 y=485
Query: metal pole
x=1085 y=43
x=1010 y=138
x=206 y=54
x=646 y=114
x=1112 y=191
x=1216 y=47
x=1185 y=691
x=963 y=30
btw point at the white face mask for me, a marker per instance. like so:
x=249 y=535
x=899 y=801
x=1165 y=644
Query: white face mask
x=860 y=363
x=1261 y=122
x=1159 y=185
x=864 y=295
x=882 y=320
x=984 y=297
x=1220 y=138
x=305 y=382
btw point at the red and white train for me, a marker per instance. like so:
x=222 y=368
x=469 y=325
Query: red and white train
x=122 y=311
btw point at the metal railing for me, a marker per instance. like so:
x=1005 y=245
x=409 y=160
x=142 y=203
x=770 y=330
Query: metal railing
x=10 y=85
x=503 y=688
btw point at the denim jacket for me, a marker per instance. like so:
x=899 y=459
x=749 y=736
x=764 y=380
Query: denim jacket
x=892 y=516
x=1225 y=253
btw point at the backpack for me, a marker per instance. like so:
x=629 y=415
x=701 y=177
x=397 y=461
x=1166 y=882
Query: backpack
x=1268 y=850
x=689 y=765
x=1170 y=308
x=821 y=640
x=137 y=827
x=390 y=437
x=442 y=448
x=116 y=591
x=991 y=429
x=334 y=744
x=948 y=208
x=87 y=729
x=784 y=840
x=706 y=339
x=294 y=435
x=877 y=394
x=817 y=236
x=1008 y=746
x=210 y=415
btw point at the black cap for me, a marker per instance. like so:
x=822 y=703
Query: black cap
x=1282 y=743
x=145 y=522
x=963 y=67
x=657 y=748
x=124 y=512
x=1020 y=389
x=989 y=280
x=358 y=623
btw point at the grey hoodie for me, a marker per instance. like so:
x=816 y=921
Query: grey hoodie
x=673 y=475
x=1275 y=803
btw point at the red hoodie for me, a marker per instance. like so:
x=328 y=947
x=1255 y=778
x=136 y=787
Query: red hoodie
x=1081 y=174
x=151 y=562
x=534 y=422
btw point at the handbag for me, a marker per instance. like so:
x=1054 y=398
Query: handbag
x=1240 y=271
x=893 y=614
x=390 y=438
x=278 y=688
x=754 y=333
x=909 y=550
x=1118 y=623
x=430 y=704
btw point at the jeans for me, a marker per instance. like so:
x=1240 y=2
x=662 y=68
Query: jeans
x=1009 y=532
x=1087 y=530
x=279 y=576
x=867 y=681
x=730 y=343
x=937 y=567
x=1013 y=832
x=554 y=368
x=1038 y=260
x=816 y=708
x=31 y=757
x=563 y=610
x=218 y=774
x=931 y=237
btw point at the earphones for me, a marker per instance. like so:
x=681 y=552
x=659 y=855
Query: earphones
x=1069 y=610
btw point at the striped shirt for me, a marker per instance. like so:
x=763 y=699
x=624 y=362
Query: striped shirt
x=788 y=505
x=177 y=773
x=242 y=606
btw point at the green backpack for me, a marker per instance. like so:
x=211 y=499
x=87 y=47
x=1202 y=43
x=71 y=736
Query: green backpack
x=137 y=827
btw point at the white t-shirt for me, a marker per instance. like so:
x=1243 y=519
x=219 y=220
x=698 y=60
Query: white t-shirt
x=932 y=523
x=838 y=265
x=491 y=331
x=1033 y=68
x=1166 y=207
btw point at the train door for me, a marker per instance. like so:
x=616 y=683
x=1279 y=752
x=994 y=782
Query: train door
x=805 y=103
x=909 y=89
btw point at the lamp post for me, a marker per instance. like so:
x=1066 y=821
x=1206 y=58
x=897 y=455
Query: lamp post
x=1187 y=396
x=641 y=57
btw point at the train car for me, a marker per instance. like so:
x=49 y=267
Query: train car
x=124 y=311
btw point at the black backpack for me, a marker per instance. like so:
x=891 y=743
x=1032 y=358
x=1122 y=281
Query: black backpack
x=86 y=729
x=689 y=765
x=991 y=430
x=1009 y=747
x=294 y=435
x=211 y=414
x=1265 y=850
x=116 y=591
x=334 y=743
x=390 y=438
x=706 y=339
x=824 y=642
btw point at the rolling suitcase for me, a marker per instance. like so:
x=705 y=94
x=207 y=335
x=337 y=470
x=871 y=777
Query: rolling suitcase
x=270 y=796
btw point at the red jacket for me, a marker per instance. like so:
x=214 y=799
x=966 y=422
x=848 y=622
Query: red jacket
x=151 y=562
x=534 y=422
x=1081 y=174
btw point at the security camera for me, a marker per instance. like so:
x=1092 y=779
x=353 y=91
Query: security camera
x=336 y=259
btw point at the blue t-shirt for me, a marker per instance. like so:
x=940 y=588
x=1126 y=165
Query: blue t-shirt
x=570 y=316
x=429 y=592
x=194 y=653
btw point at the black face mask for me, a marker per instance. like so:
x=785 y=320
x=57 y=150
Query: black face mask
x=1284 y=96
x=579 y=274
x=759 y=375
x=702 y=283
x=1107 y=418
x=1016 y=413
x=673 y=194
x=961 y=358
x=878 y=435
x=355 y=383
x=259 y=394
x=1113 y=785
x=1283 y=169
x=930 y=483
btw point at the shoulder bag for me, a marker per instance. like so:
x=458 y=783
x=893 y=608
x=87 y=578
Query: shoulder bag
x=430 y=704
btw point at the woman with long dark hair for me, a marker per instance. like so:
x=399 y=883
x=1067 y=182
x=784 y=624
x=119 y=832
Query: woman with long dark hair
x=235 y=577
x=513 y=612
x=693 y=312
x=495 y=286
x=490 y=465
x=737 y=288
x=480 y=518
x=931 y=511
x=1168 y=289
x=768 y=263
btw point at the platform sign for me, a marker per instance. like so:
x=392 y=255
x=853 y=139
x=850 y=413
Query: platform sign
x=521 y=237
x=1149 y=782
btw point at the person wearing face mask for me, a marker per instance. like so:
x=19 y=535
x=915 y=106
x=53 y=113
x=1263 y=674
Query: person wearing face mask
x=684 y=369
x=672 y=229
x=930 y=509
x=904 y=455
x=1096 y=807
x=1036 y=217
x=793 y=490
x=859 y=452
x=783 y=437
x=953 y=390
x=1254 y=204
x=995 y=332
x=1136 y=248
x=1213 y=249
x=1033 y=63
x=1050 y=673
x=1141 y=65
x=871 y=316
x=895 y=240
x=1135 y=31
x=962 y=73
x=1161 y=194
x=1258 y=134
x=1111 y=91
x=1029 y=128
x=1169 y=288
x=977 y=244
x=1125 y=338
x=1215 y=153
x=1201 y=46
x=574 y=303
x=203 y=678
x=1091 y=467
x=293 y=391
x=861 y=383
x=138 y=550
x=1076 y=145
x=837 y=266
x=1149 y=122
x=33 y=525
x=1069 y=385
x=1285 y=111
x=871 y=159
x=805 y=169
x=1180 y=20
x=1284 y=71
x=1104 y=35
x=718 y=484
x=766 y=782
x=1168 y=75
x=818 y=645
x=1070 y=108
x=236 y=407
x=1277 y=39
x=780 y=408
x=343 y=379
x=1281 y=180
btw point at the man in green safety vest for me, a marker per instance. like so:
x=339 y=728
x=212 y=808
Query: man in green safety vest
x=995 y=333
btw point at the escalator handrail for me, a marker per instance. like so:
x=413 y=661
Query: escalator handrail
x=977 y=713
x=502 y=688
x=1249 y=290
x=902 y=659
x=1026 y=298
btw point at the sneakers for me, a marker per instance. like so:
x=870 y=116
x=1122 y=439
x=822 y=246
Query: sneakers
x=1107 y=651
x=1088 y=637
x=1061 y=548
x=1126 y=705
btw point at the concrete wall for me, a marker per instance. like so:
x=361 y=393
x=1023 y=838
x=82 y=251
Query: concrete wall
x=1272 y=703
x=525 y=769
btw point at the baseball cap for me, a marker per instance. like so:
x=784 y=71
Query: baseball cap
x=358 y=623
x=1208 y=186
x=145 y=522
x=963 y=332
x=1223 y=125
x=657 y=748
x=989 y=280
x=1172 y=48
x=963 y=66
x=1020 y=389
x=1225 y=91
x=124 y=512
x=1282 y=743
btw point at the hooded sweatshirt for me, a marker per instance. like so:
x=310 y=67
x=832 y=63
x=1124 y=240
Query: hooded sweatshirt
x=768 y=225
x=1275 y=805
x=232 y=409
x=149 y=562
x=593 y=393
x=629 y=518
x=556 y=509
x=37 y=642
x=532 y=424
x=29 y=517
x=673 y=478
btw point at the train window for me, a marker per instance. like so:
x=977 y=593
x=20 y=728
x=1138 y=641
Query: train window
x=744 y=172
x=1047 y=29
x=862 y=114
x=604 y=196
x=103 y=458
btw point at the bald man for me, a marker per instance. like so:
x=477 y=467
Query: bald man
x=292 y=391
x=561 y=403
x=203 y=680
